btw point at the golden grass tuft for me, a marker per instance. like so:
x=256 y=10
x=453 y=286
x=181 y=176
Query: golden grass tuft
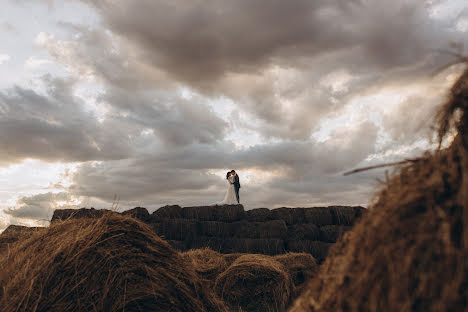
x=114 y=263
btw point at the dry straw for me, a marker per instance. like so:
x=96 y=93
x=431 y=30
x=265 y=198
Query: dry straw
x=207 y=263
x=255 y=283
x=114 y=263
x=409 y=253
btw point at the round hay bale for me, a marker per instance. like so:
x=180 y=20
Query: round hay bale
x=139 y=213
x=267 y=229
x=303 y=232
x=224 y=213
x=216 y=229
x=409 y=251
x=177 y=245
x=318 y=216
x=255 y=283
x=114 y=263
x=332 y=233
x=65 y=214
x=318 y=249
x=289 y=215
x=213 y=243
x=167 y=212
x=230 y=258
x=258 y=215
x=300 y=266
x=177 y=229
x=267 y=246
x=207 y=263
x=343 y=215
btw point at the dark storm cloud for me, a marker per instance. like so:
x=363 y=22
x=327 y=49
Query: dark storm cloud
x=183 y=174
x=37 y=207
x=55 y=127
x=200 y=41
x=263 y=54
x=175 y=120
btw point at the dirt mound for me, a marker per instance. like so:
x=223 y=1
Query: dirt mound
x=255 y=283
x=113 y=263
x=409 y=253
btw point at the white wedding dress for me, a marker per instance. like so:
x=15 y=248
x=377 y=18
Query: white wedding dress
x=230 y=198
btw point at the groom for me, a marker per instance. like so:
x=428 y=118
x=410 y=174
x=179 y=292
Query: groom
x=236 y=184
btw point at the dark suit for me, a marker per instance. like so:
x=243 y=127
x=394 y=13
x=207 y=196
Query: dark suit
x=237 y=187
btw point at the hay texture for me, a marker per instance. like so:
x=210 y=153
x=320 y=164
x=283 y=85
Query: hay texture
x=255 y=283
x=208 y=264
x=114 y=263
x=409 y=252
x=301 y=267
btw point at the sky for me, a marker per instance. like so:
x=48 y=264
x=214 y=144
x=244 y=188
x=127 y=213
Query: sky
x=123 y=103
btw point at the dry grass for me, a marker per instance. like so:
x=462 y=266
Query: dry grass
x=409 y=253
x=114 y=263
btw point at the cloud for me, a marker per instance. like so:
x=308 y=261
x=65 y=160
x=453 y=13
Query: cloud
x=185 y=175
x=4 y=58
x=37 y=207
x=55 y=127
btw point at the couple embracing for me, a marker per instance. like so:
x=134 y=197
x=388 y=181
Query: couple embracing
x=232 y=193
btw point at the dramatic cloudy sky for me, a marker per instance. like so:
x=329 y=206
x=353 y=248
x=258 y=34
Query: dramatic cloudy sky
x=152 y=101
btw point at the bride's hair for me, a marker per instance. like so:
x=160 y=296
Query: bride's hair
x=228 y=174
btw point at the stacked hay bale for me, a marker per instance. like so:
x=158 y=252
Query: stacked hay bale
x=228 y=229
x=112 y=263
x=409 y=253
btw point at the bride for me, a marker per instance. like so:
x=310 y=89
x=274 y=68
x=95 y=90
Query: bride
x=230 y=198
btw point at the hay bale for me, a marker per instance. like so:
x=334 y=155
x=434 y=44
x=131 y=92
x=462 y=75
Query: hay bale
x=166 y=212
x=410 y=251
x=65 y=214
x=318 y=216
x=178 y=245
x=231 y=257
x=114 y=263
x=177 y=229
x=213 y=243
x=332 y=233
x=289 y=215
x=303 y=232
x=317 y=249
x=14 y=233
x=301 y=267
x=268 y=229
x=343 y=215
x=208 y=264
x=258 y=215
x=266 y=246
x=139 y=213
x=224 y=213
x=255 y=283
x=216 y=229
